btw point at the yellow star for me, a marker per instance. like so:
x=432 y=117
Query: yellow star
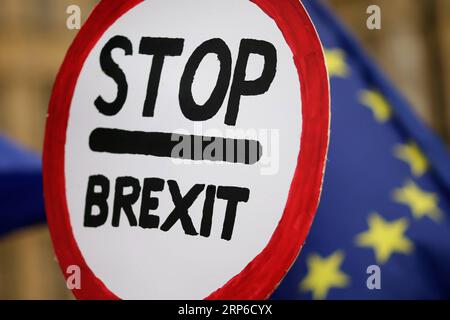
x=377 y=103
x=324 y=274
x=385 y=238
x=412 y=155
x=420 y=202
x=336 y=65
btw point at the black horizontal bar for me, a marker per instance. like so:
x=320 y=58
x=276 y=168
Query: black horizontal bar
x=161 y=144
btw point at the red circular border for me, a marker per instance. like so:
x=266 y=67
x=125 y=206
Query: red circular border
x=261 y=276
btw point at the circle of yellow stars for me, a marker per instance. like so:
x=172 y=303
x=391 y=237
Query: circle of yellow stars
x=384 y=237
x=420 y=202
x=324 y=273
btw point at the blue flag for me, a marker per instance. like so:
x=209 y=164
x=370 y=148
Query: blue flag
x=382 y=230
x=21 y=197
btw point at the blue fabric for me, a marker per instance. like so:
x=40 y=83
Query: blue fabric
x=362 y=179
x=21 y=197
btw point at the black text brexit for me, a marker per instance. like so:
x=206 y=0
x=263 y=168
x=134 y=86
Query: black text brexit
x=99 y=190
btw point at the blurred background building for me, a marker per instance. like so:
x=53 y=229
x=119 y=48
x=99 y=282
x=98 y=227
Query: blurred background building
x=412 y=48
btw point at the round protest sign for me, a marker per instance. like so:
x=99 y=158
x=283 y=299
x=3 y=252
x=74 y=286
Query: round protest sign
x=185 y=148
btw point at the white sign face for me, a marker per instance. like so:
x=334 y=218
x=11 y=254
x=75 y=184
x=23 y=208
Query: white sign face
x=145 y=262
x=183 y=157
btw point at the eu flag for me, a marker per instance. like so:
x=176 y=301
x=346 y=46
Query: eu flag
x=21 y=197
x=382 y=230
